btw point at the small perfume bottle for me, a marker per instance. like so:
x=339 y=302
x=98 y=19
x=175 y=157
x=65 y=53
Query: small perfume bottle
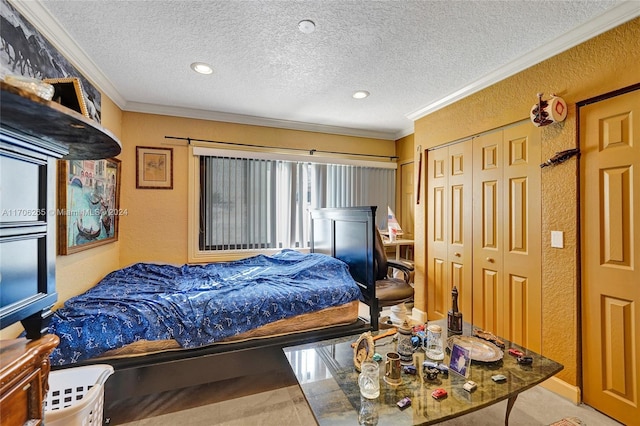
x=454 y=317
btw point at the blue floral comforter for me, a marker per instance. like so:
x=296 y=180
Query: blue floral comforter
x=196 y=304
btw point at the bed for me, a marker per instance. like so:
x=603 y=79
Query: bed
x=147 y=308
x=174 y=359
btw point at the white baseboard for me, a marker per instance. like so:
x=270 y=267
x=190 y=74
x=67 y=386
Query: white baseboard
x=418 y=316
x=564 y=389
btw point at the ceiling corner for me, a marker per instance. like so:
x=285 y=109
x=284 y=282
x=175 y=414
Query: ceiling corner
x=621 y=13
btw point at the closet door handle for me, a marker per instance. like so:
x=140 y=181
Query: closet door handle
x=456 y=254
x=490 y=259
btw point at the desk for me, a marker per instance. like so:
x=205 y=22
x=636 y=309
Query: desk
x=329 y=382
x=399 y=242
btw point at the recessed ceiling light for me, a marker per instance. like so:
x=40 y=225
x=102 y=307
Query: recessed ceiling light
x=307 y=26
x=201 y=67
x=360 y=94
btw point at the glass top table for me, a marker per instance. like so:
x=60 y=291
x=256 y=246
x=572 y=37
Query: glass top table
x=329 y=381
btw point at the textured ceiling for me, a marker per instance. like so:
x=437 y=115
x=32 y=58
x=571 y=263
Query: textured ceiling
x=411 y=55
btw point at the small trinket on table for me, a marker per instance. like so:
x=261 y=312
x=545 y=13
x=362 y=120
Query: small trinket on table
x=443 y=369
x=392 y=369
x=429 y=364
x=431 y=373
x=489 y=337
x=363 y=350
x=409 y=369
x=515 y=352
x=470 y=386
x=454 y=316
x=405 y=346
x=499 y=378
x=416 y=342
x=404 y=402
x=439 y=393
x=525 y=360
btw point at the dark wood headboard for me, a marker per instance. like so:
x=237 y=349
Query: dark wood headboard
x=348 y=234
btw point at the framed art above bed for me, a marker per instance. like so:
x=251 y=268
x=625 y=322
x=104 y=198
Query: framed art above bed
x=88 y=204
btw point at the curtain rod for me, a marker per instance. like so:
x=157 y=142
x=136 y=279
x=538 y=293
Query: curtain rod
x=310 y=151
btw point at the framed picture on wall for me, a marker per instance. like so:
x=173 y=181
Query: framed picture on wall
x=88 y=204
x=68 y=92
x=154 y=168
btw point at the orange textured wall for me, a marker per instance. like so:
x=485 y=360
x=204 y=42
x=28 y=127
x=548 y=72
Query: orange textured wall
x=404 y=149
x=405 y=154
x=75 y=273
x=155 y=228
x=601 y=65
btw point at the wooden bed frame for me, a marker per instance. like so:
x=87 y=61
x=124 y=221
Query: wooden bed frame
x=345 y=233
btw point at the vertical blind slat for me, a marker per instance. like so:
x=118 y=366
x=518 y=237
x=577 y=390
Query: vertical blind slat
x=255 y=203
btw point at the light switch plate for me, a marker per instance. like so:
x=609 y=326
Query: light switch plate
x=557 y=239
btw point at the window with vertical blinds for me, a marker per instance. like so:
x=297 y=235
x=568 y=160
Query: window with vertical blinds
x=249 y=203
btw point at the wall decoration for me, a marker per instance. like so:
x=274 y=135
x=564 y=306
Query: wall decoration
x=88 y=204
x=154 y=168
x=460 y=360
x=68 y=92
x=553 y=110
x=561 y=157
x=25 y=51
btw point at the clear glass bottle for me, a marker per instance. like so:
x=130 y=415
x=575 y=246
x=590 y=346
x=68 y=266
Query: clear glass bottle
x=369 y=380
x=434 y=347
x=368 y=414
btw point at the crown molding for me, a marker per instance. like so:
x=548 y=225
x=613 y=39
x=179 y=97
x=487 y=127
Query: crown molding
x=405 y=132
x=619 y=14
x=36 y=13
x=254 y=121
x=39 y=16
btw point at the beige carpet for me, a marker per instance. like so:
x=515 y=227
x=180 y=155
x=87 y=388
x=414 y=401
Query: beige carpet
x=287 y=406
x=569 y=421
x=280 y=407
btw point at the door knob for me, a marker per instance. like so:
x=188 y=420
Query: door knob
x=456 y=254
x=490 y=259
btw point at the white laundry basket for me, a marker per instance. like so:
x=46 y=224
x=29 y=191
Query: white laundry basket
x=76 y=396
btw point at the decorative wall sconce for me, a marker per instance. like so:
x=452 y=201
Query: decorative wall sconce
x=553 y=110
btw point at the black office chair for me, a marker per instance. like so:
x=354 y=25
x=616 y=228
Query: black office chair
x=390 y=291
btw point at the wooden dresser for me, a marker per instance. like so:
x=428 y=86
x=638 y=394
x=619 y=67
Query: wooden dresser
x=24 y=372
